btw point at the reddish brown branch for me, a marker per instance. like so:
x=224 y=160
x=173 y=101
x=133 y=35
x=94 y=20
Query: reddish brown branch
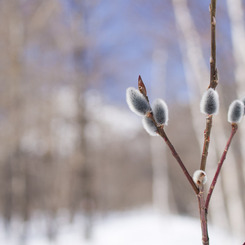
x=178 y=159
x=213 y=82
x=207 y=133
x=162 y=133
x=233 y=131
x=213 y=69
x=203 y=216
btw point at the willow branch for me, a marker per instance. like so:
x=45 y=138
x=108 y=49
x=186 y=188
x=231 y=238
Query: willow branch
x=233 y=131
x=174 y=153
x=203 y=216
x=213 y=69
x=162 y=133
x=213 y=82
x=207 y=133
x=178 y=159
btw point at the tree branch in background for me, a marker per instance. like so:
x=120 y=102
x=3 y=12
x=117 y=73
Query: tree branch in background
x=233 y=131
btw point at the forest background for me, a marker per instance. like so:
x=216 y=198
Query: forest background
x=68 y=141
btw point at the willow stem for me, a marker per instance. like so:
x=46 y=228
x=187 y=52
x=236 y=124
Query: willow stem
x=213 y=82
x=203 y=216
x=207 y=133
x=213 y=69
x=178 y=159
x=162 y=133
x=233 y=131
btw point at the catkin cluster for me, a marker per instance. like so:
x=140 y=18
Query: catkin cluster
x=139 y=104
x=209 y=105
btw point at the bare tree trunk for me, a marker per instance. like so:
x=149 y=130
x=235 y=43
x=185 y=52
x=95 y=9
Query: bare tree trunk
x=16 y=98
x=7 y=193
x=83 y=166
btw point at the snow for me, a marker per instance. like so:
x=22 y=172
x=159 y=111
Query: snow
x=144 y=227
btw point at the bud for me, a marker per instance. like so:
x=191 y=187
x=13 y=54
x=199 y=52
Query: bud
x=141 y=86
x=160 y=111
x=209 y=104
x=236 y=111
x=149 y=126
x=137 y=102
x=200 y=177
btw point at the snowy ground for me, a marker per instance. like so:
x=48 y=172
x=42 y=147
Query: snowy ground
x=132 y=228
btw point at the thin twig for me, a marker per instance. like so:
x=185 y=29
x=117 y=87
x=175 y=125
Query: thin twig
x=203 y=215
x=174 y=153
x=233 y=131
x=207 y=133
x=213 y=82
x=162 y=133
x=209 y=119
x=176 y=156
x=213 y=69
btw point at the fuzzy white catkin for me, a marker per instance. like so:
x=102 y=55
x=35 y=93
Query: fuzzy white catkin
x=160 y=111
x=137 y=102
x=200 y=177
x=149 y=126
x=209 y=104
x=236 y=111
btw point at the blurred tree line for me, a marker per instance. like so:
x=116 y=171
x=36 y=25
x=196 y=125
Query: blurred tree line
x=56 y=153
x=63 y=147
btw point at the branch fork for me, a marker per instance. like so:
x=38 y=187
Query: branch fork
x=199 y=187
x=156 y=120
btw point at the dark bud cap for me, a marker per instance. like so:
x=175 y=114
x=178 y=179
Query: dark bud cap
x=149 y=126
x=209 y=104
x=137 y=102
x=236 y=111
x=142 y=87
x=160 y=112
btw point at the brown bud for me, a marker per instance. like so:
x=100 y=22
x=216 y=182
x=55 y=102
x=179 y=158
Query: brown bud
x=142 y=87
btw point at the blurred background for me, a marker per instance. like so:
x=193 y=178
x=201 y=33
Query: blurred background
x=71 y=150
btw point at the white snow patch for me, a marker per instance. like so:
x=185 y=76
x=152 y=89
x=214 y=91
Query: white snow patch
x=132 y=228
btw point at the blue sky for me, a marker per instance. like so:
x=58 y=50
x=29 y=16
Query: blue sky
x=124 y=35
